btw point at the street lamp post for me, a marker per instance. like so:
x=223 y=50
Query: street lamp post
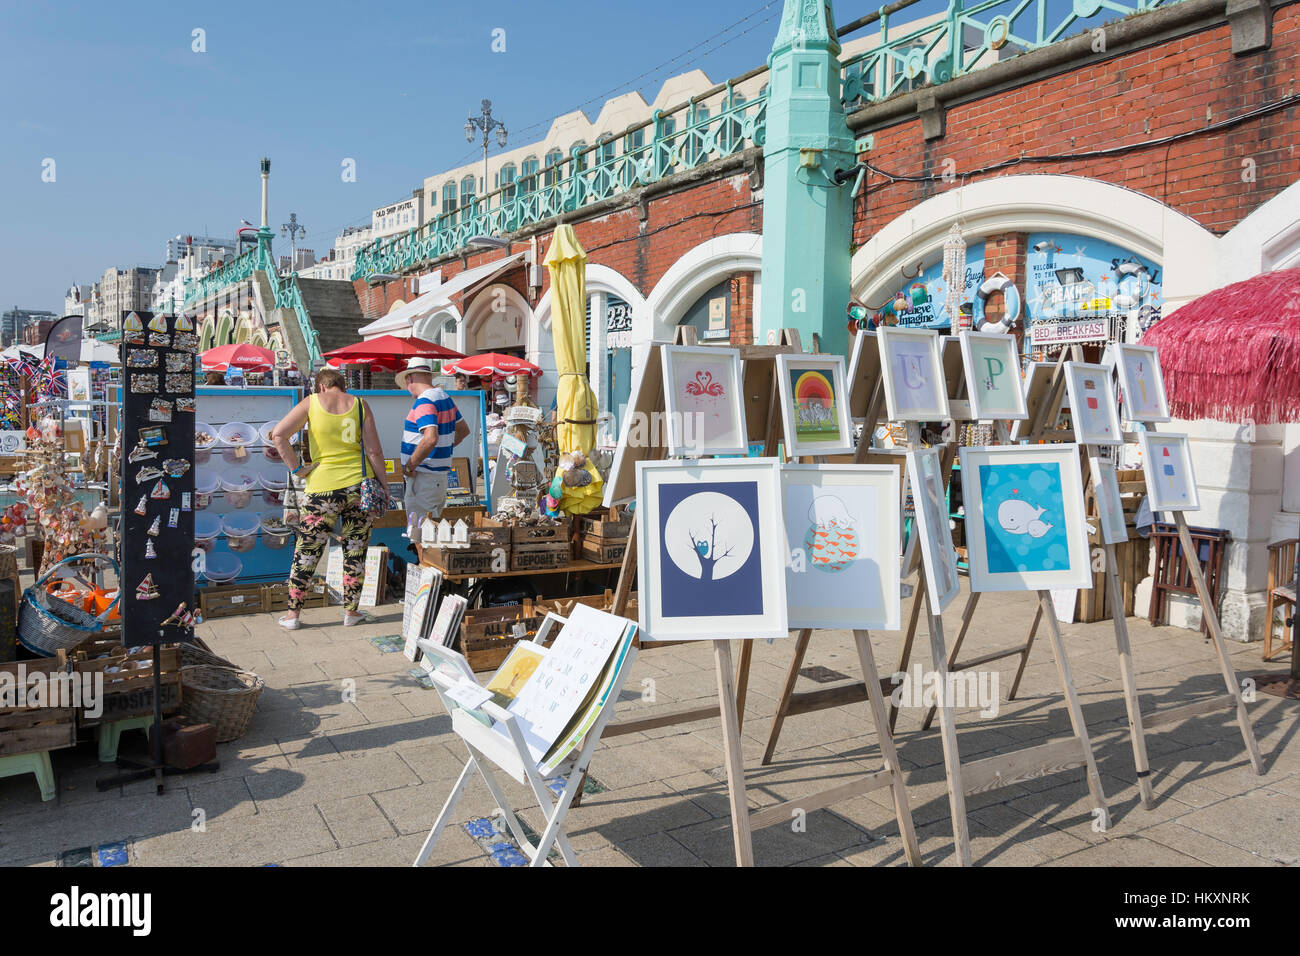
x=293 y=229
x=485 y=123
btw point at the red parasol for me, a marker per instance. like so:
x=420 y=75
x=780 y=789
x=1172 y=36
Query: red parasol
x=389 y=353
x=251 y=358
x=1233 y=355
x=490 y=364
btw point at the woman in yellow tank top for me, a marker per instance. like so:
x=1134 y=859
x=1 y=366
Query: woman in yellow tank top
x=337 y=424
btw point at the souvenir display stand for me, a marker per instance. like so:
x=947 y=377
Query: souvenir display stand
x=507 y=749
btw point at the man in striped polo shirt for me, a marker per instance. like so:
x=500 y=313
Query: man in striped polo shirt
x=433 y=427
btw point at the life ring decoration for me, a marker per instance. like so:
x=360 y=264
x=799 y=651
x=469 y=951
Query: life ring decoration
x=1010 y=299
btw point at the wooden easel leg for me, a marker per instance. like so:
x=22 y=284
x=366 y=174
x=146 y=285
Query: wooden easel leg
x=902 y=809
x=905 y=655
x=948 y=734
x=1136 y=734
x=968 y=612
x=452 y=799
x=734 y=755
x=1024 y=658
x=1212 y=618
x=1073 y=707
x=742 y=680
x=787 y=689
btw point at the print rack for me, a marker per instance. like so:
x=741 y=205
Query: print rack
x=990 y=773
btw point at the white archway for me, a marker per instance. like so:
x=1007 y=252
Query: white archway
x=485 y=304
x=694 y=274
x=428 y=328
x=1033 y=203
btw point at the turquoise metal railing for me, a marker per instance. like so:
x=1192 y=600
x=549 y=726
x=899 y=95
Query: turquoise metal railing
x=967 y=38
x=288 y=295
x=688 y=137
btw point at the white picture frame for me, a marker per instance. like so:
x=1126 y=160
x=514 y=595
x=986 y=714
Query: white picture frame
x=424 y=604
x=1025 y=523
x=1038 y=378
x=932 y=527
x=1110 y=507
x=806 y=383
x=912 y=370
x=1092 y=404
x=864 y=371
x=1167 y=464
x=994 y=386
x=681 y=507
x=842 y=529
x=702 y=396
x=1141 y=381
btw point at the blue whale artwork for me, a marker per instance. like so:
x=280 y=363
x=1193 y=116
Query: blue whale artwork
x=1024 y=520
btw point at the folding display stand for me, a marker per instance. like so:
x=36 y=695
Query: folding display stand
x=488 y=748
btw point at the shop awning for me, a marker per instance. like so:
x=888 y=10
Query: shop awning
x=401 y=321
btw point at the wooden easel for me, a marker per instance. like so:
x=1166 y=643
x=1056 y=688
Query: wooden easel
x=990 y=773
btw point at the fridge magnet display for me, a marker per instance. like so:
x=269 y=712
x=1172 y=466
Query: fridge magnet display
x=149 y=551
x=175 y=467
x=706 y=414
x=160 y=491
x=1092 y=404
x=814 y=405
x=183 y=323
x=147 y=474
x=993 y=382
x=160 y=410
x=133 y=330
x=173 y=517
x=935 y=533
x=180 y=362
x=712 y=562
x=155 y=529
x=912 y=373
x=1167 y=462
x=141 y=452
x=186 y=342
x=842 y=525
x=1141 y=383
x=1025 y=527
x=180 y=383
x=143 y=507
x=160 y=340
x=187 y=501
x=153 y=436
x=144 y=383
x=141 y=358
x=185 y=405
x=146 y=590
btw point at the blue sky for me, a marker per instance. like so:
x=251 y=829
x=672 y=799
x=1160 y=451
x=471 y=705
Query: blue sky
x=151 y=139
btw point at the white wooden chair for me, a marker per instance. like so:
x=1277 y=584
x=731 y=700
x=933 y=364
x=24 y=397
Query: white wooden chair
x=488 y=748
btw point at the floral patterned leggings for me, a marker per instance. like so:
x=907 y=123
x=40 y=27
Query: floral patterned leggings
x=313 y=530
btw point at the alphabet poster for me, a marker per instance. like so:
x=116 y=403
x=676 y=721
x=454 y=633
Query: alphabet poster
x=993 y=381
x=842 y=535
x=711 y=561
x=1167 y=463
x=915 y=389
x=1025 y=528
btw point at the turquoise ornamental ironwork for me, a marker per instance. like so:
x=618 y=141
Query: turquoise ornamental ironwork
x=685 y=140
x=288 y=295
x=967 y=38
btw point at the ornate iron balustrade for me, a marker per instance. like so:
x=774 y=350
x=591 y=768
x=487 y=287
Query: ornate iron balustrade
x=966 y=39
x=683 y=140
x=288 y=295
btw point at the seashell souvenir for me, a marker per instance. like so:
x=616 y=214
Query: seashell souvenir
x=183 y=323
x=141 y=452
x=133 y=329
x=160 y=491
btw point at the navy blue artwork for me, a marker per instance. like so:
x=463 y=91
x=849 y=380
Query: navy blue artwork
x=709 y=549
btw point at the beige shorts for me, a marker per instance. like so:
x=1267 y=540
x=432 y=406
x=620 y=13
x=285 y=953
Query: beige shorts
x=426 y=493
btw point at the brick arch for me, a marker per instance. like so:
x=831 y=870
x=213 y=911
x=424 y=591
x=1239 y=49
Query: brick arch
x=1033 y=203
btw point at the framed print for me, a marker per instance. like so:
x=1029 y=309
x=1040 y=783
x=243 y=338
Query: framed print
x=711 y=550
x=864 y=372
x=993 y=383
x=814 y=405
x=1092 y=404
x=706 y=415
x=1038 y=382
x=79 y=384
x=912 y=371
x=933 y=529
x=842 y=526
x=1110 y=509
x=639 y=435
x=1167 y=463
x=1142 y=384
x=428 y=586
x=1025 y=527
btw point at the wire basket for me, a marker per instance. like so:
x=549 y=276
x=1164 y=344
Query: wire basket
x=225 y=697
x=47 y=625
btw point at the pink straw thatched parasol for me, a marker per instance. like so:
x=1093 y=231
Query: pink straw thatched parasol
x=1234 y=354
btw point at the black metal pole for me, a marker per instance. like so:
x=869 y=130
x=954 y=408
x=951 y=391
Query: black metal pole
x=157 y=716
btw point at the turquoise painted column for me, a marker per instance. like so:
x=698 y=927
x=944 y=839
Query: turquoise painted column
x=807 y=217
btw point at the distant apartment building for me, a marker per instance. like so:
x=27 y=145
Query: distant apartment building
x=205 y=248
x=302 y=259
x=15 y=321
x=399 y=216
x=337 y=264
x=76 y=299
x=121 y=290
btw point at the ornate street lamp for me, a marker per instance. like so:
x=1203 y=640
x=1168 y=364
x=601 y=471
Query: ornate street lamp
x=486 y=123
x=293 y=229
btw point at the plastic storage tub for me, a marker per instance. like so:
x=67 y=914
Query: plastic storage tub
x=238 y=484
x=237 y=434
x=204 y=486
x=203 y=445
x=222 y=566
x=273 y=486
x=268 y=450
x=241 y=530
x=275 y=533
x=206 y=529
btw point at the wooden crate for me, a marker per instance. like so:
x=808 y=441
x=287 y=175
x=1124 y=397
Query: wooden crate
x=539 y=533
x=128 y=691
x=25 y=729
x=603 y=550
x=275 y=597
x=541 y=556
x=228 y=600
x=612 y=522
x=487 y=634
x=467 y=560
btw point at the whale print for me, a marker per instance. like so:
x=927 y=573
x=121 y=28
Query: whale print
x=1017 y=516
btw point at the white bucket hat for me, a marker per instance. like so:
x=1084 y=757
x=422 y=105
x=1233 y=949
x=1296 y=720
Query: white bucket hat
x=414 y=365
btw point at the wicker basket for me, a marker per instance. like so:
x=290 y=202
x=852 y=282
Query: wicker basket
x=196 y=651
x=225 y=697
x=47 y=625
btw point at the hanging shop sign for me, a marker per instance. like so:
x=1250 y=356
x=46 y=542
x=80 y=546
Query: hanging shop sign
x=1072 y=277
x=918 y=301
x=1063 y=333
x=618 y=324
x=718 y=324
